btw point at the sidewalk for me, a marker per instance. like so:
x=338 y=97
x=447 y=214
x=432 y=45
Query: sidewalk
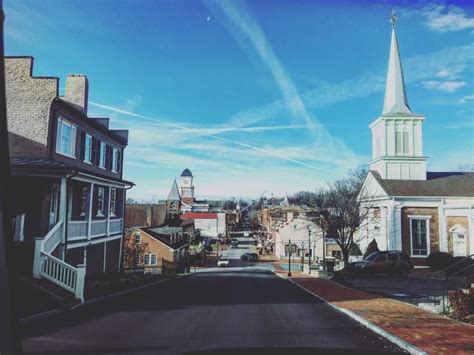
x=427 y=331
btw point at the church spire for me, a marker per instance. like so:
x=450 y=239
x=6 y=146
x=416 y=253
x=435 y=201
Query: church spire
x=395 y=93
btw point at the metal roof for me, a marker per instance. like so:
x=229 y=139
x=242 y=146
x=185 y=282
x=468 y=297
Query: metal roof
x=186 y=172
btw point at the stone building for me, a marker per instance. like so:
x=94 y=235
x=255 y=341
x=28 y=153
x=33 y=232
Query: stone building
x=69 y=191
x=415 y=211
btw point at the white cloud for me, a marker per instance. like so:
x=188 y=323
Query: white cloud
x=466 y=99
x=450 y=73
x=446 y=86
x=442 y=18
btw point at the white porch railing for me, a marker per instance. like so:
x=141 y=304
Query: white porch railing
x=98 y=228
x=63 y=274
x=76 y=229
x=55 y=270
x=52 y=239
x=115 y=226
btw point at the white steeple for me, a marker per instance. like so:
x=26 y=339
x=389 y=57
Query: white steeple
x=395 y=93
x=397 y=149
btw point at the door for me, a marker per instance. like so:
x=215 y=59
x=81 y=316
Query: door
x=54 y=206
x=459 y=244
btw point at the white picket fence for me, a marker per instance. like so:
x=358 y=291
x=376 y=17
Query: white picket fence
x=55 y=270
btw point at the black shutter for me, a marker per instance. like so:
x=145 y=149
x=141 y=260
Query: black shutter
x=94 y=151
x=83 y=146
x=119 y=161
x=108 y=160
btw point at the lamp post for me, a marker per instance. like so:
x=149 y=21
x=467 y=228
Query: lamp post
x=309 y=251
x=324 y=250
x=289 y=257
x=302 y=256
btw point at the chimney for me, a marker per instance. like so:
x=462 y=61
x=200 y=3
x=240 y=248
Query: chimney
x=77 y=91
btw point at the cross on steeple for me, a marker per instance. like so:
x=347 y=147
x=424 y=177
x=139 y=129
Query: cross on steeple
x=393 y=19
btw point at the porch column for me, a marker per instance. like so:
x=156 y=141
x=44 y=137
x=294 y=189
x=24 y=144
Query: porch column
x=395 y=236
x=62 y=216
x=89 y=210
x=108 y=210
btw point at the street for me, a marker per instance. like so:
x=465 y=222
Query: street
x=242 y=306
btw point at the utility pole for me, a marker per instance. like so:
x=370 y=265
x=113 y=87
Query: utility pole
x=9 y=336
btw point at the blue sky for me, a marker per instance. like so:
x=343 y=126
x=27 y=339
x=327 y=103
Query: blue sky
x=258 y=95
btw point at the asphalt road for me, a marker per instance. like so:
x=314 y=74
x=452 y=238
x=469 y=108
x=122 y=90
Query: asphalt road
x=242 y=306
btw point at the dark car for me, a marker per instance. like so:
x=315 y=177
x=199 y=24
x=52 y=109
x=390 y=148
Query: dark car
x=249 y=257
x=383 y=262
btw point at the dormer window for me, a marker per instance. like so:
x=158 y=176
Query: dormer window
x=102 y=155
x=115 y=160
x=88 y=148
x=66 y=138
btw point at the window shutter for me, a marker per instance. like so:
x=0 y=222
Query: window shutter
x=94 y=151
x=119 y=161
x=83 y=145
x=108 y=157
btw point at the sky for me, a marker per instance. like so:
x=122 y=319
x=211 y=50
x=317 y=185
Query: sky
x=256 y=97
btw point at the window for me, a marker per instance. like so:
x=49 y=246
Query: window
x=392 y=257
x=113 y=199
x=66 y=138
x=88 y=148
x=380 y=259
x=138 y=238
x=401 y=143
x=100 y=201
x=102 y=155
x=83 y=201
x=419 y=236
x=150 y=259
x=115 y=160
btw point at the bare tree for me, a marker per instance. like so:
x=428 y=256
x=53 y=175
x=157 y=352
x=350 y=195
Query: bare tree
x=343 y=210
x=133 y=252
x=465 y=168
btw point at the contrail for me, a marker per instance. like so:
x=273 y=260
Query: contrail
x=199 y=132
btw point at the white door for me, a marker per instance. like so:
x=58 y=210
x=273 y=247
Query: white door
x=459 y=244
x=54 y=206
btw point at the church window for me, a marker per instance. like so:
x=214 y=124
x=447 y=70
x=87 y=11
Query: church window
x=401 y=143
x=419 y=235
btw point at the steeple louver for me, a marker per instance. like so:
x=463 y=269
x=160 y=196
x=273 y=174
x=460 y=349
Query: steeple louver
x=395 y=93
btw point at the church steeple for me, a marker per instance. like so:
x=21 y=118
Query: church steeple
x=395 y=92
x=397 y=139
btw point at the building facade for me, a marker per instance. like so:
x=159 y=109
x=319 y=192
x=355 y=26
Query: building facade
x=413 y=210
x=69 y=191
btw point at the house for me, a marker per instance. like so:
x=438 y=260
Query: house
x=413 y=210
x=69 y=191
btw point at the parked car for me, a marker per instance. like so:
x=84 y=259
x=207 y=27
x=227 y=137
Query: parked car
x=223 y=262
x=249 y=257
x=234 y=243
x=383 y=262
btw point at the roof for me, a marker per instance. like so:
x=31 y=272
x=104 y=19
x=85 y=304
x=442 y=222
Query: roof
x=174 y=193
x=199 y=215
x=41 y=164
x=165 y=238
x=395 y=101
x=187 y=172
x=437 y=184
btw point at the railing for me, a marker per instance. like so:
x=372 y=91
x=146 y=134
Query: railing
x=63 y=274
x=77 y=229
x=55 y=270
x=98 y=228
x=115 y=226
x=52 y=239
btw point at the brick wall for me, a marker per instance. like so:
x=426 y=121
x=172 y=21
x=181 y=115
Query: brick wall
x=434 y=226
x=144 y=215
x=28 y=107
x=451 y=222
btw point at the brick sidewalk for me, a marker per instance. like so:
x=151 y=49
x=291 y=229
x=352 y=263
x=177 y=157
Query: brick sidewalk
x=430 y=332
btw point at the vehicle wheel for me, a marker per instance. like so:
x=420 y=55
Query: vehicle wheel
x=403 y=272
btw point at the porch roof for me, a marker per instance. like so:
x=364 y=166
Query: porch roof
x=46 y=166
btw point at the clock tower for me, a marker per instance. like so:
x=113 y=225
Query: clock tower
x=186 y=185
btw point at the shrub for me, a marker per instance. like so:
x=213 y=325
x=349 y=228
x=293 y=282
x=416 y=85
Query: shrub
x=371 y=248
x=439 y=260
x=460 y=304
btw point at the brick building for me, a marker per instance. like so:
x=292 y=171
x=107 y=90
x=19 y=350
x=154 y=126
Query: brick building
x=67 y=167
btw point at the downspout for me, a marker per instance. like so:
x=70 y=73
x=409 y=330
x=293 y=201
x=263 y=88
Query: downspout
x=66 y=216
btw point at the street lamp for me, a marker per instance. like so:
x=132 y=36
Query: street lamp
x=302 y=256
x=309 y=250
x=289 y=257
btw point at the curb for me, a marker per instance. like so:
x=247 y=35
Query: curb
x=383 y=333
x=54 y=312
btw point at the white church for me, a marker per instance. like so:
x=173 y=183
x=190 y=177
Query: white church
x=414 y=210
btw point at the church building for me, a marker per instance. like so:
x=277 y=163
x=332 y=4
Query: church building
x=414 y=210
